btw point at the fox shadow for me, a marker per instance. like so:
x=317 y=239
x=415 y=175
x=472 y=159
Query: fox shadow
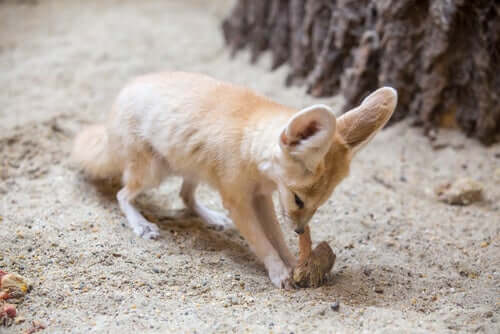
x=196 y=235
x=180 y=226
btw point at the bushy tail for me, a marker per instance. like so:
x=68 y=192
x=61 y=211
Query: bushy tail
x=92 y=153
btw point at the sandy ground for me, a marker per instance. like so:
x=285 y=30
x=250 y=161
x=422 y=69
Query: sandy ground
x=405 y=262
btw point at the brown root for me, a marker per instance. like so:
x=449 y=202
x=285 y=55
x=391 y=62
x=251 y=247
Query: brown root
x=313 y=265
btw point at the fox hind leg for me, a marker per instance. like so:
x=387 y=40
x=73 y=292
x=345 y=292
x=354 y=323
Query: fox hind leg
x=140 y=225
x=143 y=171
x=216 y=220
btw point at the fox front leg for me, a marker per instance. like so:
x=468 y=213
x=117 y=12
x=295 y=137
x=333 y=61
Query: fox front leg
x=264 y=208
x=246 y=219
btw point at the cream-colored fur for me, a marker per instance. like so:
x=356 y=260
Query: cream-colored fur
x=242 y=144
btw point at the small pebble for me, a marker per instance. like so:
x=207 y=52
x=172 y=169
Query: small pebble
x=335 y=306
x=19 y=320
x=463 y=191
x=234 y=300
x=379 y=290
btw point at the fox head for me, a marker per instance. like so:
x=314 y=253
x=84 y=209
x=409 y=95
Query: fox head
x=316 y=149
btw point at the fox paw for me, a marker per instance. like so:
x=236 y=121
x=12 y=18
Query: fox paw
x=147 y=230
x=288 y=284
x=280 y=276
x=217 y=221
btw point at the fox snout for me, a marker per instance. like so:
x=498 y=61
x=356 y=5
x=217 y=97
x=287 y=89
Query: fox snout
x=299 y=230
x=300 y=221
x=296 y=221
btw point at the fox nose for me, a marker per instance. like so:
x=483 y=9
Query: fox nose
x=299 y=230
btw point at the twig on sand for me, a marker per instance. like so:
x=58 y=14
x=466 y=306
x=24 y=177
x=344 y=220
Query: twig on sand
x=382 y=182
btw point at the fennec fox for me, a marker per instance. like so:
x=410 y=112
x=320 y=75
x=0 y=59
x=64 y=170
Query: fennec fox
x=241 y=144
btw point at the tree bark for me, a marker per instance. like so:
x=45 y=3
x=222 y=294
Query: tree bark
x=443 y=57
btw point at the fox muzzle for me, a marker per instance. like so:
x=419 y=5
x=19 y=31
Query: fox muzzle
x=299 y=230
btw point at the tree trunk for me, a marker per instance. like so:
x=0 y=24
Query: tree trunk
x=443 y=57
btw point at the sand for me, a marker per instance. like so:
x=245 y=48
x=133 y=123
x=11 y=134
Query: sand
x=405 y=261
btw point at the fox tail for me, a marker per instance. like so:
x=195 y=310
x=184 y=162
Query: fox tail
x=92 y=153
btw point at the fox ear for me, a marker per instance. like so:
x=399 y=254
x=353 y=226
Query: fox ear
x=308 y=135
x=358 y=126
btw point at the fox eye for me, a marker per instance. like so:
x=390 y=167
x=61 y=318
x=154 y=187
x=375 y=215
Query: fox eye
x=299 y=202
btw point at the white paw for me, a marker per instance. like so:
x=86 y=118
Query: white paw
x=217 y=220
x=147 y=230
x=280 y=275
